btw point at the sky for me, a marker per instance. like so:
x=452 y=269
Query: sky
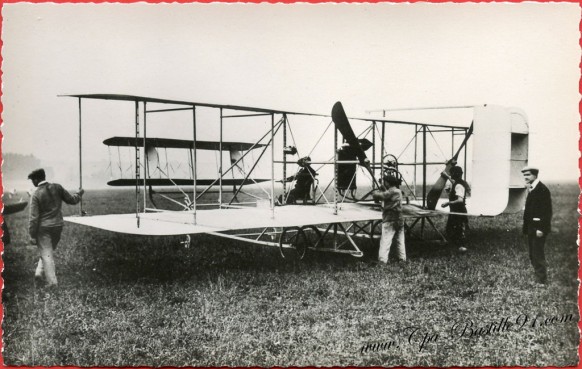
x=299 y=57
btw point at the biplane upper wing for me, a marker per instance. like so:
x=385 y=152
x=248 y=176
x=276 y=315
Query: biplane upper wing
x=143 y=99
x=171 y=143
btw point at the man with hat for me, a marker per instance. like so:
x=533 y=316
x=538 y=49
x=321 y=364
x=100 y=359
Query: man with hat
x=537 y=219
x=392 y=220
x=456 y=224
x=46 y=222
x=304 y=180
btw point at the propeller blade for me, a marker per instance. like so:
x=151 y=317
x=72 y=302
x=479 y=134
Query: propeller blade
x=437 y=189
x=340 y=119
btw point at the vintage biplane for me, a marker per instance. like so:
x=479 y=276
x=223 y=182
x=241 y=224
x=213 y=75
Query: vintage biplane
x=293 y=205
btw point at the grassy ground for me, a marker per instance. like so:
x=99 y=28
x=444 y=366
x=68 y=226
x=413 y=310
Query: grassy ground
x=129 y=301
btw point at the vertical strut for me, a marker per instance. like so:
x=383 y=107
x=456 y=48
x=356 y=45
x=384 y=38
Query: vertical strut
x=452 y=142
x=284 y=158
x=374 y=150
x=80 y=158
x=194 y=164
x=137 y=161
x=220 y=164
x=423 y=166
x=465 y=156
x=145 y=158
x=335 y=170
x=423 y=177
x=415 y=157
x=383 y=139
x=273 y=166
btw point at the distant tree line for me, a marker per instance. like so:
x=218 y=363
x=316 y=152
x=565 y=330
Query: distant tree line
x=17 y=166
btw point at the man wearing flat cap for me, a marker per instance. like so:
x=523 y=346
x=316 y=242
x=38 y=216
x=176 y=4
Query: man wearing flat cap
x=537 y=219
x=46 y=222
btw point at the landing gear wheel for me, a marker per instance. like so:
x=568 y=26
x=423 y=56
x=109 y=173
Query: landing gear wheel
x=293 y=243
x=313 y=236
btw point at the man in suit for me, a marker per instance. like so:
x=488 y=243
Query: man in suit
x=537 y=219
x=46 y=222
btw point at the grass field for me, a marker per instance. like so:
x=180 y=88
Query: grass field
x=137 y=301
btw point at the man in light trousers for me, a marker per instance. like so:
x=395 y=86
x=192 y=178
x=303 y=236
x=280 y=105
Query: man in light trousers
x=392 y=221
x=46 y=222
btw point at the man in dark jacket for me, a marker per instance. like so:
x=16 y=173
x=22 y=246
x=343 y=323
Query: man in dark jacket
x=46 y=222
x=537 y=219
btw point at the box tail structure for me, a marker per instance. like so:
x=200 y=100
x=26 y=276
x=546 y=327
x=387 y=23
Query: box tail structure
x=500 y=151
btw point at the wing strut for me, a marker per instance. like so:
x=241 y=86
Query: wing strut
x=80 y=160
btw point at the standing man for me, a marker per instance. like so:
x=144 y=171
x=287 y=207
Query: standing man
x=537 y=219
x=392 y=221
x=46 y=222
x=457 y=224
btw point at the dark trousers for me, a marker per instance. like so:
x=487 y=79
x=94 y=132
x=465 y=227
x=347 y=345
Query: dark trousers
x=456 y=230
x=5 y=233
x=537 y=255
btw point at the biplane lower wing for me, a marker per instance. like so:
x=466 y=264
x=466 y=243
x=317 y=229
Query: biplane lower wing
x=161 y=182
x=222 y=220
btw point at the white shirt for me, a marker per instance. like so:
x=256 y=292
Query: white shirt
x=460 y=190
x=534 y=184
x=33 y=189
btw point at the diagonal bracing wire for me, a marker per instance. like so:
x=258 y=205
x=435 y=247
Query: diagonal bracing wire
x=408 y=144
x=320 y=138
x=437 y=144
x=274 y=131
